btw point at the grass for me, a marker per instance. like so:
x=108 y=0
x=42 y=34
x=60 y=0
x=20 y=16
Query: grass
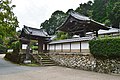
x=31 y=65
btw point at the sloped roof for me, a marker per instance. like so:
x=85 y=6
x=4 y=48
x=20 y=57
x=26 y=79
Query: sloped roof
x=75 y=23
x=35 y=32
x=110 y=31
x=79 y=16
x=81 y=39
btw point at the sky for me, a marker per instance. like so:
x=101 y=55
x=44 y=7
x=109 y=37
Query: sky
x=34 y=12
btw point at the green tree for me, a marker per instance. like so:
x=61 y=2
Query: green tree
x=8 y=21
x=99 y=10
x=61 y=35
x=85 y=9
x=114 y=15
x=55 y=21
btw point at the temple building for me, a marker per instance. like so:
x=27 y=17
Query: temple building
x=77 y=24
x=80 y=25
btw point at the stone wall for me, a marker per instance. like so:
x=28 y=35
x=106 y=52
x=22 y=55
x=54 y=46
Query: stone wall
x=86 y=62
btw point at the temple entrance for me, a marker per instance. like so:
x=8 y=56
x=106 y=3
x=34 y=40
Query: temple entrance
x=34 y=42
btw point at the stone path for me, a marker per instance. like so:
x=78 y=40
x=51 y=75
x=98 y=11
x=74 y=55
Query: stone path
x=9 y=71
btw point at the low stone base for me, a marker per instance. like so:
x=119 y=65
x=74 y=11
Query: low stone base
x=86 y=62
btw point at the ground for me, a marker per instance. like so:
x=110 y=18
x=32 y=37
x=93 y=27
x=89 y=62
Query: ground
x=10 y=71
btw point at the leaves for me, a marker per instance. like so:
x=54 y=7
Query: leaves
x=107 y=48
x=8 y=21
x=55 y=21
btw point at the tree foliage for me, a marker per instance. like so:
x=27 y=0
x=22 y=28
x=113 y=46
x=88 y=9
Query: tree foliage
x=8 y=21
x=55 y=21
x=114 y=15
x=104 y=11
x=85 y=9
x=106 y=48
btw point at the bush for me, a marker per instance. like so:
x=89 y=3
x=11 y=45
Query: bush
x=15 y=46
x=105 y=48
x=2 y=49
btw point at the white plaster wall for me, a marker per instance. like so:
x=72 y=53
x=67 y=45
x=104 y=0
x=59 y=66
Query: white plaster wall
x=66 y=46
x=43 y=46
x=51 y=47
x=84 y=45
x=48 y=47
x=24 y=46
x=58 y=46
x=75 y=45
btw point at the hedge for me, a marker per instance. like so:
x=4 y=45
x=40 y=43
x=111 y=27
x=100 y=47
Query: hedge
x=2 y=49
x=106 y=48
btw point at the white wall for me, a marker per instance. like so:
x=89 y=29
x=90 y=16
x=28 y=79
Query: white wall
x=58 y=47
x=24 y=46
x=66 y=46
x=74 y=46
x=51 y=47
x=84 y=45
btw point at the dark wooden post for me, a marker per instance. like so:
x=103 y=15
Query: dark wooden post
x=40 y=45
x=61 y=47
x=96 y=33
x=28 y=51
x=80 y=46
x=45 y=47
x=70 y=46
x=54 y=47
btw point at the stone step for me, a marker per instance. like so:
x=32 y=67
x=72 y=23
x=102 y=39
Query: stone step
x=46 y=61
x=49 y=64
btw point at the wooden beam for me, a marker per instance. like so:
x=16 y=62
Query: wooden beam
x=40 y=45
x=70 y=46
x=96 y=33
x=80 y=47
x=46 y=47
x=62 y=47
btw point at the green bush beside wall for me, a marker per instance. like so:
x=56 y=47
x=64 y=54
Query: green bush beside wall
x=106 y=48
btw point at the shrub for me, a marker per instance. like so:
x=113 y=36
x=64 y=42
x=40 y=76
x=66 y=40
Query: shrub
x=106 y=48
x=2 y=49
x=15 y=46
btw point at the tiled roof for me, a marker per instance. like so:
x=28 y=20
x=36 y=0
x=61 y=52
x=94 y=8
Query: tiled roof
x=72 y=40
x=78 y=16
x=35 y=32
x=76 y=23
x=110 y=31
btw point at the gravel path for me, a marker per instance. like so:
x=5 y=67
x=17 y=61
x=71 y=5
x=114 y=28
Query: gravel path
x=9 y=71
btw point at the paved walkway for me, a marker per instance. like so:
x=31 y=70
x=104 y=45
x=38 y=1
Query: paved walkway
x=9 y=71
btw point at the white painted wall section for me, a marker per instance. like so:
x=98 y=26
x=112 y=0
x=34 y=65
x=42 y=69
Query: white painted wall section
x=75 y=45
x=51 y=47
x=66 y=46
x=84 y=45
x=58 y=46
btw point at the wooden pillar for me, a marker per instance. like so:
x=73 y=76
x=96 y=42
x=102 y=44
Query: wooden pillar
x=70 y=46
x=61 y=47
x=54 y=47
x=96 y=33
x=80 y=47
x=28 y=51
x=40 y=45
x=45 y=47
